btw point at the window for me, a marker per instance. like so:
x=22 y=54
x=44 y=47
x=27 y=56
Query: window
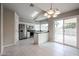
x=44 y=27
x=37 y=27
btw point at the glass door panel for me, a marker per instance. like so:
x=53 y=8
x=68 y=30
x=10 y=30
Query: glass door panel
x=70 y=31
x=58 y=31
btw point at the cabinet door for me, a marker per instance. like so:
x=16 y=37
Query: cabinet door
x=21 y=31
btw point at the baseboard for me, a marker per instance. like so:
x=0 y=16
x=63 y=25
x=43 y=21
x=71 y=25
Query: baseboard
x=8 y=45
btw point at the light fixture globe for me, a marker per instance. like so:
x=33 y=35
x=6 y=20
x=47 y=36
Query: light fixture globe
x=50 y=11
x=57 y=11
x=55 y=15
x=45 y=14
x=49 y=16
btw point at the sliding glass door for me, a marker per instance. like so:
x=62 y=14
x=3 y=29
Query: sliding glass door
x=70 y=29
x=65 y=31
x=58 y=31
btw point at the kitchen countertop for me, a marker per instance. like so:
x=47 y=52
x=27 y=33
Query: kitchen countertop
x=40 y=32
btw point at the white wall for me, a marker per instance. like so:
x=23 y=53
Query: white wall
x=10 y=20
x=78 y=31
x=16 y=27
x=0 y=28
x=50 y=29
x=8 y=27
x=68 y=14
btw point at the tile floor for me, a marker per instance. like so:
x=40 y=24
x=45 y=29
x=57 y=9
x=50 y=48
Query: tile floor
x=27 y=48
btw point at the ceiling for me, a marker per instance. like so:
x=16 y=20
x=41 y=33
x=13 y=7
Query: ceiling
x=26 y=12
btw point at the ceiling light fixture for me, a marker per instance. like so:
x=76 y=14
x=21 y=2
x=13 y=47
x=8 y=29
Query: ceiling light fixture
x=52 y=12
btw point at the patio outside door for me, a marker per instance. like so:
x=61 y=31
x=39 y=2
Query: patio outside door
x=70 y=34
x=65 y=31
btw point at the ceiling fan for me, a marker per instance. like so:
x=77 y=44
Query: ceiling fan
x=49 y=13
x=32 y=5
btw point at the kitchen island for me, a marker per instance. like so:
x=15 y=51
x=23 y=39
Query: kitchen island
x=40 y=37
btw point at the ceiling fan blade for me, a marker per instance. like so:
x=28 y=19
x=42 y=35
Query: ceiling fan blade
x=42 y=11
x=32 y=5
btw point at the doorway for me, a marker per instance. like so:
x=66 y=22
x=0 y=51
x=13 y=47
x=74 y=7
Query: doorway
x=58 y=36
x=65 y=31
